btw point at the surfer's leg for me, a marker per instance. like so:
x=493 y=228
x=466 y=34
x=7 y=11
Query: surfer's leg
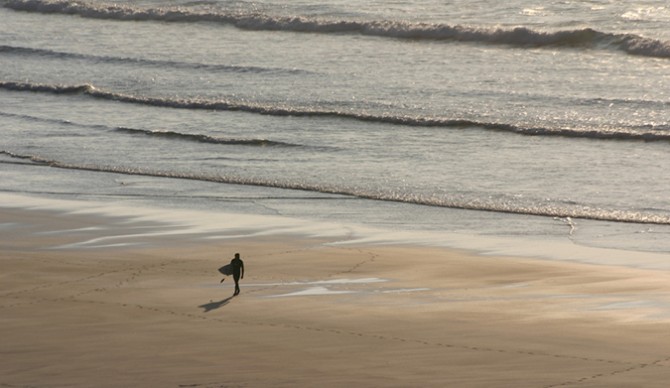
x=236 y=277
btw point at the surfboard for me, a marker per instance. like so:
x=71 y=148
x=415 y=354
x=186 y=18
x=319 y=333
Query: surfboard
x=226 y=269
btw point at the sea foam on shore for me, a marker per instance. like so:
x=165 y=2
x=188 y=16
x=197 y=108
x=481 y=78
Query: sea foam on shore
x=221 y=225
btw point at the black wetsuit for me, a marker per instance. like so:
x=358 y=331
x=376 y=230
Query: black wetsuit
x=238 y=271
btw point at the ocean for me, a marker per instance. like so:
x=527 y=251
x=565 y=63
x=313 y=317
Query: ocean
x=541 y=120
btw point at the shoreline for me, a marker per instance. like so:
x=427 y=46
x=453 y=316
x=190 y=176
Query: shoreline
x=133 y=299
x=222 y=225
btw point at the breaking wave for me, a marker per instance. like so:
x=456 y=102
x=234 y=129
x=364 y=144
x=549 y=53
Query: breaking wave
x=14 y=50
x=205 y=138
x=519 y=36
x=647 y=134
x=563 y=210
x=199 y=138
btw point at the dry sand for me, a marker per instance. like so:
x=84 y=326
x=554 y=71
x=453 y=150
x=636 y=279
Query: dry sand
x=150 y=312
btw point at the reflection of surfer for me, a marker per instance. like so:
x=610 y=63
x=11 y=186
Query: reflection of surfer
x=238 y=271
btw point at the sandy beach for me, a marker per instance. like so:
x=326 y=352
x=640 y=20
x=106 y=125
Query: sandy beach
x=93 y=300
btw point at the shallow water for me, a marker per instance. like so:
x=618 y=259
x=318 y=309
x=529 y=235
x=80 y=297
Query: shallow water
x=496 y=119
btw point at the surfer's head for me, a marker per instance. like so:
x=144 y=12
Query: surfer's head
x=237 y=255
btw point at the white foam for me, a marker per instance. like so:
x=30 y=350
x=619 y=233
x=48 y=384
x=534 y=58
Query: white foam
x=100 y=246
x=223 y=225
x=627 y=305
x=321 y=291
x=181 y=221
x=313 y=291
x=322 y=282
x=404 y=290
x=68 y=231
x=517 y=36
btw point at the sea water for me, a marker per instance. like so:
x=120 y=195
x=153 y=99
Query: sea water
x=517 y=118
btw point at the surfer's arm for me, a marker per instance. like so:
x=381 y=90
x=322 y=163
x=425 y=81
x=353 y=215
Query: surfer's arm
x=242 y=271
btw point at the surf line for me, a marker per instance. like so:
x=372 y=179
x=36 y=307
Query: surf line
x=515 y=37
x=580 y=212
x=284 y=111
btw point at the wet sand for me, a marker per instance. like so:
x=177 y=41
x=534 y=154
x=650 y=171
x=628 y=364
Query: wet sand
x=93 y=300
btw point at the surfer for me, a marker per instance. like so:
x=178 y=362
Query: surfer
x=238 y=271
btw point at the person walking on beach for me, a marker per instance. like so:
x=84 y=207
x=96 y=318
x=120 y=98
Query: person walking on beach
x=238 y=271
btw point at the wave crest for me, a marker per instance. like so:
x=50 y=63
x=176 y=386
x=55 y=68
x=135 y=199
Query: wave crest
x=205 y=138
x=520 y=36
x=199 y=138
x=47 y=88
x=148 y=62
x=457 y=202
x=648 y=134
